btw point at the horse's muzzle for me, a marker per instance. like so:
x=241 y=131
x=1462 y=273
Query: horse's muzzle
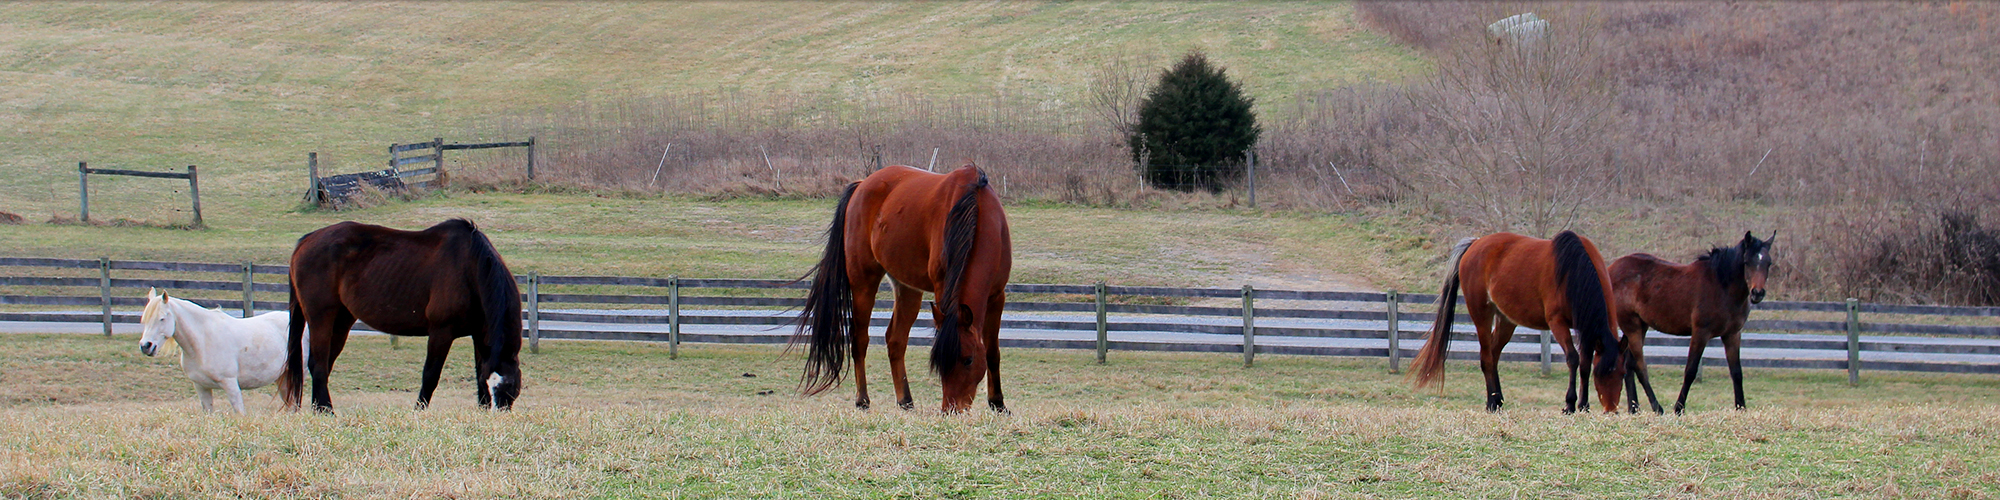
x=148 y=348
x=1756 y=296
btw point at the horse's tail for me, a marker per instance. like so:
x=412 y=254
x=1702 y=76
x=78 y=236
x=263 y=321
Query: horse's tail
x=291 y=382
x=1429 y=365
x=823 y=323
x=1583 y=288
x=960 y=228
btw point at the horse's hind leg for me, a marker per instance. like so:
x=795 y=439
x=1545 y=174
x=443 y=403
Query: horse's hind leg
x=434 y=358
x=207 y=399
x=1489 y=360
x=863 y=288
x=901 y=318
x=992 y=338
x=329 y=336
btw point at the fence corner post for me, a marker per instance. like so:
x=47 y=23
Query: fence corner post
x=104 y=291
x=313 y=194
x=83 y=191
x=1853 y=342
x=534 y=312
x=1395 y=331
x=1249 y=325
x=249 y=304
x=194 y=191
x=1103 y=328
x=674 y=317
x=531 y=158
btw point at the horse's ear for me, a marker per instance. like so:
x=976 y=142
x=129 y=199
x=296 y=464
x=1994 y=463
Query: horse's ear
x=1774 y=237
x=152 y=292
x=1747 y=235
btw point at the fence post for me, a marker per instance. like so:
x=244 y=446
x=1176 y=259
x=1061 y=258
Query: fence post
x=1250 y=166
x=249 y=307
x=312 y=176
x=1395 y=331
x=1546 y=354
x=104 y=291
x=1249 y=325
x=534 y=312
x=83 y=193
x=1853 y=342
x=194 y=191
x=1103 y=330
x=531 y=158
x=437 y=157
x=673 y=317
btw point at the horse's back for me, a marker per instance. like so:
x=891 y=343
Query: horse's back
x=897 y=218
x=262 y=358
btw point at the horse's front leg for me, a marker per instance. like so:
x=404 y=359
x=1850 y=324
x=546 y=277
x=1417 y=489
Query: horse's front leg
x=1732 y=345
x=991 y=326
x=232 y=389
x=440 y=348
x=1697 y=343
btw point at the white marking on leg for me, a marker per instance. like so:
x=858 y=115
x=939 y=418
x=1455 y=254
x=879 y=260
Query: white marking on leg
x=493 y=386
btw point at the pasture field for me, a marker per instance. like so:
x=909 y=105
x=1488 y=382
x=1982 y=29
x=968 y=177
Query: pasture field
x=90 y=417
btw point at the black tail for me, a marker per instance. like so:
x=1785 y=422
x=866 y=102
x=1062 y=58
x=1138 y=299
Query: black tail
x=961 y=227
x=1583 y=288
x=829 y=308
x=1429 y=365
x=291 y=383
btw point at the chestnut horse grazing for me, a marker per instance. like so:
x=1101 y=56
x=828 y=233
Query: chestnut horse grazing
x=1512 y=280
x=928 y=232
x=1705 y=299
x=444 y=282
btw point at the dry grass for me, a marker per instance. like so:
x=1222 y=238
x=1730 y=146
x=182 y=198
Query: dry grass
x=612 y=419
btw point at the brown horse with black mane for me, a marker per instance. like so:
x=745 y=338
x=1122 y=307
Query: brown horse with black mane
x=444 y=282
x=1512 y=280
x=928 y=232
x=1705 y=299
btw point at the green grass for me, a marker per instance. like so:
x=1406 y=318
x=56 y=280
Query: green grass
x=246 y=90
x=623 y=420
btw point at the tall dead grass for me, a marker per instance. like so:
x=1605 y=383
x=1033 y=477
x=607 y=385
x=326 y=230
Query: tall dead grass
x=1843 y=122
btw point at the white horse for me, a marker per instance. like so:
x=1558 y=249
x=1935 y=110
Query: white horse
x=218 y=351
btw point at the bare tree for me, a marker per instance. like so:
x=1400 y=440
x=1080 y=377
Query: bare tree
x=1519 y=130
x=1117 y=85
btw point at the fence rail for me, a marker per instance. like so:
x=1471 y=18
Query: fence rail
x=1327 y=323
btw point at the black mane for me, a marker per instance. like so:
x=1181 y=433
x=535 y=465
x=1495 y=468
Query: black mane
x=1726 y=263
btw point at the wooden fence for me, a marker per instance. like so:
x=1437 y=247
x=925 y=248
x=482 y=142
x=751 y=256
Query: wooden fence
x=83 y=173
x=1118 y=315
x=324 y=190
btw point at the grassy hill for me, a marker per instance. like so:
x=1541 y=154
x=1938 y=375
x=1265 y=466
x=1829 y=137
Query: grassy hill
x=245 y=90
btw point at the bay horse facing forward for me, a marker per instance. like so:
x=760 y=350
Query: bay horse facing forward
x=928 y=232
x=1706 y=299
x=1512 y=280
x=444 y=282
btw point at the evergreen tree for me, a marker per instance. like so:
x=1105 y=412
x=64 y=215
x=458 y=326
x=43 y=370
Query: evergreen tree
x=1193 y=128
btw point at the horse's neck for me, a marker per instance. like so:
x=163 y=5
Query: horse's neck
x=194 y=326
x=1738 y=291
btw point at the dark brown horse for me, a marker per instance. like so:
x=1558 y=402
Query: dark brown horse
x=444 y=282
x=928 y=232
x=1708 y=298
x=1512 y=280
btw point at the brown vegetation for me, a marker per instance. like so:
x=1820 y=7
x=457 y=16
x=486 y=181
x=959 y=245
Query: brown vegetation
x=1845 y=123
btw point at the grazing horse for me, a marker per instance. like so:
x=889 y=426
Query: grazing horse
x=928 y=232
x=1705 y=299
x=218 y=351
x=444 y=282
x=1512 y=280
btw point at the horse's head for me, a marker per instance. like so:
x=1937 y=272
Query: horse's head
x=159 y=322
x=967 y=367
x=504 y=383
x=1756 y=262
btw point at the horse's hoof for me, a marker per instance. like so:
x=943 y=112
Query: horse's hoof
x=906 y=405
x=323 y=410
x=1000 y=408
x=861 y=403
